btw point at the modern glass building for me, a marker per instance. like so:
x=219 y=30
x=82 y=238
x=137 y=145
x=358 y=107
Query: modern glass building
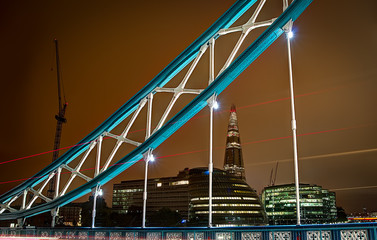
x=329 y=205
x=234 y=203
x=317 y=205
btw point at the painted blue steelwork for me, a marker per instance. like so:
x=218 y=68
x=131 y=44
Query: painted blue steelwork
x=220 y=83
x=226 y=20
x=358 y=231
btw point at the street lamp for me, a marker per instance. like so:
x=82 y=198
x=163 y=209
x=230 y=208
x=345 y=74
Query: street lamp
x=289 y=33
x=212 y=103
x=148 y=157
x=97 y=191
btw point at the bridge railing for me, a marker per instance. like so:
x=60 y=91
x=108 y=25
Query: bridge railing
x=357 y=231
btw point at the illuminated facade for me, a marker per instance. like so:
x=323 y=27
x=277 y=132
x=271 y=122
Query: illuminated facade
x=233 y=160
x=317 y=205
x=234 y=203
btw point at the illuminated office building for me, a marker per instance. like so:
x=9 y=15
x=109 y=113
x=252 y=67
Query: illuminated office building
x=234 y=203
x=317 y=205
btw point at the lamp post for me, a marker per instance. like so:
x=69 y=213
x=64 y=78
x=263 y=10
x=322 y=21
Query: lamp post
x=97 y=192
x=289 y=36
x=212 y=105
x=148 y=156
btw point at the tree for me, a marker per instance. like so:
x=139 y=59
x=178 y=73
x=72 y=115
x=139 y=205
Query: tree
x=102 y=213
x=341 y=215
x=165 y=217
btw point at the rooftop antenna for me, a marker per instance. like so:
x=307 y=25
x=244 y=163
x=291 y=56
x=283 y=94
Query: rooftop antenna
x=272 y=171
x=276 y=171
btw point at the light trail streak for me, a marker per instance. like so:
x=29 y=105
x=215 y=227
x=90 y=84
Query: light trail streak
x=250 y=164
x=353 y=188
x=195 y=117
x=330 y=155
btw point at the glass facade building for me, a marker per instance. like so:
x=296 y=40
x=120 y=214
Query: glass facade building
x=317 y=205
x=234 y=203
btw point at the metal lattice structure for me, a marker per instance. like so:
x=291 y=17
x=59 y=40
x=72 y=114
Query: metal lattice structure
x=91 y=147
x=349 y=231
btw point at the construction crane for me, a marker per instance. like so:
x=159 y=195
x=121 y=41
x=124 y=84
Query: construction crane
x=60 y=118
x=273 y=179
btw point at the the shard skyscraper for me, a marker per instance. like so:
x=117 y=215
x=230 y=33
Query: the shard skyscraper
x=233 y=162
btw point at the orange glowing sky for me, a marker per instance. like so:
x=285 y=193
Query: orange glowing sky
x=110 y=49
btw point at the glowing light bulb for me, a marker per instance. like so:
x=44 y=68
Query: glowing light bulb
x=290 y=34
x=215 y=105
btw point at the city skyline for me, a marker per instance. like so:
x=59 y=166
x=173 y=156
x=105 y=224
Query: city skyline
x=108 y=53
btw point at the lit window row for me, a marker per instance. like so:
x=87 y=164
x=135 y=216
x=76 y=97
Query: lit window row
x=226 y=212
x=311 y=204
x=303 y=200
x=280 y=213
x=249 y=198
x=182 y=182
x=289 y=189
x=131 y=190
x=240 y=185
x=227 y=205
x=217 y=198
x=240 y=191
x=292 y=193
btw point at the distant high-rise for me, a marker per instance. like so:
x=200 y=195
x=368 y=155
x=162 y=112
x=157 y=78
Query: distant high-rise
x=233 y=162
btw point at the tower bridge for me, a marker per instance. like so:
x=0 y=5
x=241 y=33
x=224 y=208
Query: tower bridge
x=21 y=202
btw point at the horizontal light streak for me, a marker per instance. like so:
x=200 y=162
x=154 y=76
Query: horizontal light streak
x=317 y=156
x=195 y=117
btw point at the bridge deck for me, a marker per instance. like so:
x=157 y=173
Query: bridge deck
x=355 y=231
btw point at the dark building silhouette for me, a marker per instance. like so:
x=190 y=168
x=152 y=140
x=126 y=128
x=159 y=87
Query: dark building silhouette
x=70 y=214
x=168 y=192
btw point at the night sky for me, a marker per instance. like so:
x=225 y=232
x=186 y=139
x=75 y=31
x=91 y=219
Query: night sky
x=110 y=49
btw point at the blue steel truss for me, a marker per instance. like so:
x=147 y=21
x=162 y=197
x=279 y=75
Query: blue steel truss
x=215 y=88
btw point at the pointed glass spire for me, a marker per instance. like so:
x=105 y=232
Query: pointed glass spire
x=233 y=162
